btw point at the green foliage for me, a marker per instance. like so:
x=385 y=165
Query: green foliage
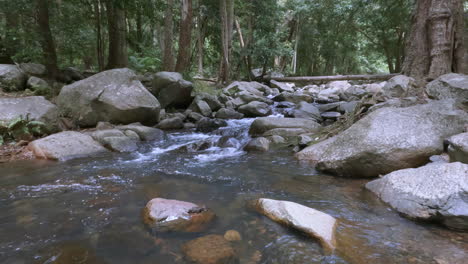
x=148 y=61
x=22 y=129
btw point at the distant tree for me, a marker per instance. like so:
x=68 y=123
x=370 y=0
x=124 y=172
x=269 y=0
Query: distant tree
x=118 y=54
x=168 y=52
x=47 y=40
x=435 y=45
x=185 y=36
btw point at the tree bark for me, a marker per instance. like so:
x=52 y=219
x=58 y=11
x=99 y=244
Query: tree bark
x=118 y=54
x=47 y=40
x=227 y=20
x=99 y=40
x=185 y=36
x=435 y=46
x=168 y=52
x=200 y=40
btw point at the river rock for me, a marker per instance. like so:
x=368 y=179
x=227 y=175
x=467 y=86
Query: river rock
x=35 y=83
x=201 y=107
x=12 y=78
x=436 y=192
x=316 y=224
x=388 y=139
x=262 y=125
x=284 y=132
x=34 y=69
x=171 y=89
x=65 y=145
x=458 y=148
x=331 y=115
x=115 y=96
x=211 y=249
x=449 y=86
x=226 y=113
x=212 y=100
x=194 y=116
x=295 y=97
x=250 y=87
x=399 y=86
x=232 y=235
x=207 y=125
x=254 y=109
x=145 y=133
x=259 y=144
x=247 y=97
x=35 y=108
x=115 y=140
x=283 y=87
x=171 y=123
x=172 y=215
x=308 y=111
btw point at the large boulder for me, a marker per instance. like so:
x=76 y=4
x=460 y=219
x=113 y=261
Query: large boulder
x=12 y=78
x=283 y=87
x=314 y=223
x=34 y=108
x=388 y=139
x=308 y=111
x=34 y=69
x=172 y=215
x=226 y=113
x=114 y=96
x=210 y=249
x=458 y=148
x=436 y=192
x=171 y=89
x=65 y=145
x=399 y=86
x=449 y=86
x=262 y=125
x=255 y=88
x=115 y=140
x=171 y=123
x=254 y=109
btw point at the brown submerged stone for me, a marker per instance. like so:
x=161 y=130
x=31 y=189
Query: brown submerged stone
x=211 y=249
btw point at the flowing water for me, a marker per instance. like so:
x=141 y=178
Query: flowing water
x=89 y=210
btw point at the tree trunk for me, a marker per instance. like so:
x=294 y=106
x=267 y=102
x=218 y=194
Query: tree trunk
x=99 y=41
x=435 y=46
x=47 y=41
x=168 y=56
x=185 y=36
x=139 y=28
x=118 y=56
x=227 y=20
x=200 y=41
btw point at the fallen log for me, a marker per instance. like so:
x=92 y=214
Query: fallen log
x=313 y=79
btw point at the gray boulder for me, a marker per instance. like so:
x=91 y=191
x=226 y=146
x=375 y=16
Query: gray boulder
x=226 y=113
x=308 y=111
x=388 y=139
x=449 y=86
x=262 y=125
x=115 y=140
x=12 y=78
x=248 y=97
x=35 y=108
x=65 y=145
x=34 y=69
x=399 y=86
x=200 y=106
x=171 y=123
x=458 y=148
x=259 y=144
x=212 y=100
x=436 y=192
x=283 y=87
x=171 y=89
x=254 y=109
x=145 y=133
x=250 y=87
x=114 y=96
x=35 y=83
x=295 y=97
x=207 y=125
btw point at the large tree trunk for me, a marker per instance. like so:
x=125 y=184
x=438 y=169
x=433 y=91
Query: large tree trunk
x=200 y=40
x=435 y=46
x=168 y=53
x=99 y=40
x=185 y=37
x=227 y=20
x=47 y=41
x=118 y=56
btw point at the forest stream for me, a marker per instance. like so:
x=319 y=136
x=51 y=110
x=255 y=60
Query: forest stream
x=90 y=208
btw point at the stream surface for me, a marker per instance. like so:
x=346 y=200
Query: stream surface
x=89 y=210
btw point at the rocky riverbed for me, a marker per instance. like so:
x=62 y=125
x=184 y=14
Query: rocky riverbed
x=138 y=169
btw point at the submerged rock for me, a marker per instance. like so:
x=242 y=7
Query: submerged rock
x=388 y=139
x=172 y=215
x=449 y=86
x=211 y=249
x=316 y=224
x=232 y=235
x=114 y=96
x=436 y=192
x=65 y=145
x=258 y=144
x=458 y=148
x=262 y=125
